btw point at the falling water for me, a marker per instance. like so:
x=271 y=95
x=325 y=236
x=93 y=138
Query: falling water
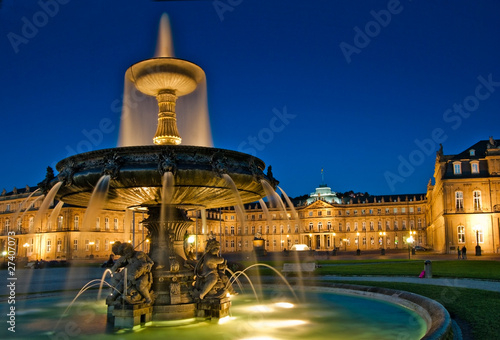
x=272 y=195
x=55 y=213
x=140 y=112
x=97 y=201
x=167 y=193
x=41 y=197
x=290 y=205
x=266 y=211
x=203 y=212
x=237 y=274
x=46 y=203
x=240 y=209
x=16 y=215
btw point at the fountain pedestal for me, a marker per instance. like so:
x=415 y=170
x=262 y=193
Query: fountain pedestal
x=213 y=308
x=130 y=316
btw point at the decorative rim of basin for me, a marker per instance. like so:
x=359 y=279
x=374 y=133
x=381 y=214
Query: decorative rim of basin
x=153 y=75
x=136 y=175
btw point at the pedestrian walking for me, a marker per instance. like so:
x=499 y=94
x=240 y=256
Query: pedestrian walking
x=459 y=252
x=464 y=253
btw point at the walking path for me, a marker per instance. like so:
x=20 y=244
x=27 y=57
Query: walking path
x=493 y=286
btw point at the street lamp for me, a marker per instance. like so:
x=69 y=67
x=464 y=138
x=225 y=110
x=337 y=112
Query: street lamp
x=91 y=244
x=334 y=248
x=382 y=234
x=409 y=240
x=478 y=247
x=358 y=252
x=310 y=241
x=26 y=245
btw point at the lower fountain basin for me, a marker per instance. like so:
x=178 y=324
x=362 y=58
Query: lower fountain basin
x=326 y=314
x=136 y=176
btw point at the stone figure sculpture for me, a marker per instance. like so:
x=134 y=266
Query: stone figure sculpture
x=138 y=275
x=211 y=280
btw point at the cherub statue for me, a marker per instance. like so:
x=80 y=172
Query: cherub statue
x=209 y=271
x=139 y=278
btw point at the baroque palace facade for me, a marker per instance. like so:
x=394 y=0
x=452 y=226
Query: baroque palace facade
x=461 y=208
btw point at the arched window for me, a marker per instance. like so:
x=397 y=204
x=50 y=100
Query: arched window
x=76 y=222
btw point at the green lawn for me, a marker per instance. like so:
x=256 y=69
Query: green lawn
x=489 y=270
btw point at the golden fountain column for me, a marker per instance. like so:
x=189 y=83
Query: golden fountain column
x=166 y=79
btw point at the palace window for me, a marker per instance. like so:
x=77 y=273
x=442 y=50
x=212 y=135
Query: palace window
x=459 y=200
x=363 y=211
x=461 y=234
x=98 y=223
x=267 y=229
x=355 y=226
x=474 y=165
x=395 y=225
x=472 y=152
x=477 y=200
x=281 y=229
x=253 y=230
x=232 y=243
x=340 y=226
x=115 y=224
x=387 y=210
x=479 y=234
x=387 y=225
x=49 y=245
x=59 y=222
x=329 y=225
x=419 y=223
x=379 y=225
x=348 y=226
x=363 y=224
x=310 y=213
x=106 y=244
x=296 y=228
x=311 y=226
x=87 y=245
x=364 y=240
x=457 y=168
x=320 y=213
x=372 y=228
x=329 y=213
x=59 y=246
x=31 y=223
x=106 y=223
x=76 y=222
x=320 y=226
x=232 y=230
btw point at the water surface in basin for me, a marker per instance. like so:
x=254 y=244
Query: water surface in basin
x=324 y=315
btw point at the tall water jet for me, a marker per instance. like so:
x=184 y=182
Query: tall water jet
x=164 y=44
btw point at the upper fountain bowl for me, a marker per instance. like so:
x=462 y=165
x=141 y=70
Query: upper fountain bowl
x=154 y=75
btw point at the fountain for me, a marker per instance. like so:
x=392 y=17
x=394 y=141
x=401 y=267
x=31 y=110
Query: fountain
x=135 y=177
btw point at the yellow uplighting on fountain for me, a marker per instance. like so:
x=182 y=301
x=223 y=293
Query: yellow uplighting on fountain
x=166 y=79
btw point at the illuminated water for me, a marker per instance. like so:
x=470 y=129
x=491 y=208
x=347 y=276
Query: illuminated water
x=324 y=316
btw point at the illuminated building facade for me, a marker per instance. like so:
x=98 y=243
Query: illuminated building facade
x=462 y=208
x=464 y=202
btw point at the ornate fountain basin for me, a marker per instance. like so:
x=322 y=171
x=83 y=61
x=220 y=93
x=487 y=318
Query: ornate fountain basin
x=136 y=176
x=153 y=75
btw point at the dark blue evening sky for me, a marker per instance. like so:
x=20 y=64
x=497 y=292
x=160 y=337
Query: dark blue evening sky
x=369 y=108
